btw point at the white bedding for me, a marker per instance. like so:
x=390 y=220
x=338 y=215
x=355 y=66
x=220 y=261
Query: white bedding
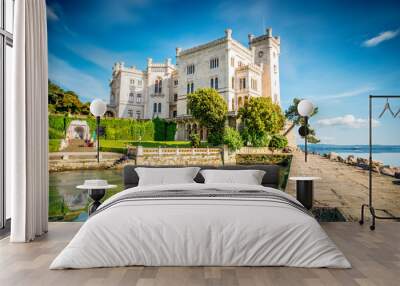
x=200 y=231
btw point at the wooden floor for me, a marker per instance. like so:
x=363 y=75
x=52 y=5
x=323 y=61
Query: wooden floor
x=375 y=257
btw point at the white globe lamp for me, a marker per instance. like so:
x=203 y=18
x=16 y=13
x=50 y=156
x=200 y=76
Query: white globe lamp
x=98 y=108
x=305 y=108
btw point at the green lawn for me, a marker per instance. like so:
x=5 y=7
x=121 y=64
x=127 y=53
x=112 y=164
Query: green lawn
x=54 y=145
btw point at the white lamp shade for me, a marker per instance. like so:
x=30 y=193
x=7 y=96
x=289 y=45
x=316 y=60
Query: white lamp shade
x=98 y=107
x=305 y=107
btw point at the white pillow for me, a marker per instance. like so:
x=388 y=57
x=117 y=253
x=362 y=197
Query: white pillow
x=166 y=176
x=248 y=177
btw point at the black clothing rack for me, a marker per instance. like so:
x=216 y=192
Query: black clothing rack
x=370 y=204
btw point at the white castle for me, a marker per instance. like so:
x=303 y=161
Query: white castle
x=237 y=72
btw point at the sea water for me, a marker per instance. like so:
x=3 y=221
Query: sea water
x=387 y=154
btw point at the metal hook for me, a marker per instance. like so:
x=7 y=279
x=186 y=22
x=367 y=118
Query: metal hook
x=387 y=107
x=397 y=113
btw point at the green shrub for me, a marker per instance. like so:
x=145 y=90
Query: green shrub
x=159 y=129
x=171 y=131
x=194 y=140
x=278 y=142
x=164 y=130
x=233 y=139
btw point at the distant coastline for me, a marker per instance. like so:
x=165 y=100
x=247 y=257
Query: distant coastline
x=387 y=154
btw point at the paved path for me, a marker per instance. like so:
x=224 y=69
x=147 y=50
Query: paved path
x=345 y=187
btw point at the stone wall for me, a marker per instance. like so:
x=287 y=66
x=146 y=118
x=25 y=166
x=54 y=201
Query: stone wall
x=178 y=156
x=183 y=160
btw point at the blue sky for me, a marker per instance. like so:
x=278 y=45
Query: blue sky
x=332 y=52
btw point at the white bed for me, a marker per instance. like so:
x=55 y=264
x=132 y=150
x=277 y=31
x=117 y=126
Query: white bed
x=202 y=231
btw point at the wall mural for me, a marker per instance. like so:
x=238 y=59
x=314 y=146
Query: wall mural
x=206 y=94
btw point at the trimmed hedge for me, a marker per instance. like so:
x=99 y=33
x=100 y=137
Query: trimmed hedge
x=117 y=128
x=121 y=150
x=54 y=145
x=150 y=144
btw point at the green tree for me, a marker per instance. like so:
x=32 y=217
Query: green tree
x=61 y=101
x=194 y=140
x=293 y=115
x=232 y=139
x=261 y=119
x=210 y=110
x=278 y=142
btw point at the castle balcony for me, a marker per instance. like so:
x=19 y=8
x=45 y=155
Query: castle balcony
x=157 y=95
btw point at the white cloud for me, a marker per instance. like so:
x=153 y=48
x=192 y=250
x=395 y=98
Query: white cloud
x=364 y=90
x=348 y=120
x=51 y=14
x=85 y=85
x=99 y=56
x=383 y=36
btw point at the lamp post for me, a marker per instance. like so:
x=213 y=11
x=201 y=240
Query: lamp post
x=98 y=108
x=305 y=108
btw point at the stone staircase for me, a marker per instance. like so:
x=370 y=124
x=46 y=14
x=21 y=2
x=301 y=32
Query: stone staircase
x=78 y=145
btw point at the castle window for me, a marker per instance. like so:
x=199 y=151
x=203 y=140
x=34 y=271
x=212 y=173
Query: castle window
x=190 y=69
x=154 y=107
x=233 y=82
x=212 y=83
x=159 y=107
x=175 y=97
x=275 y=69
x=131 y=97
x=232 y=62
x=233 y=104
x=174 y=113
x=214 y=63
x=130 y=113
x=132 y=81
x=138 y=114
x=242 y=83
x=138 y=98
x=254 y=84
x=176 y=82
x=216 y=83
x=192 y=88
x=188 y=88
x=158 y=86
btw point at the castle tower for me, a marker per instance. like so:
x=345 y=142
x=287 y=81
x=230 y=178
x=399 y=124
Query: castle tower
x=267 y=51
